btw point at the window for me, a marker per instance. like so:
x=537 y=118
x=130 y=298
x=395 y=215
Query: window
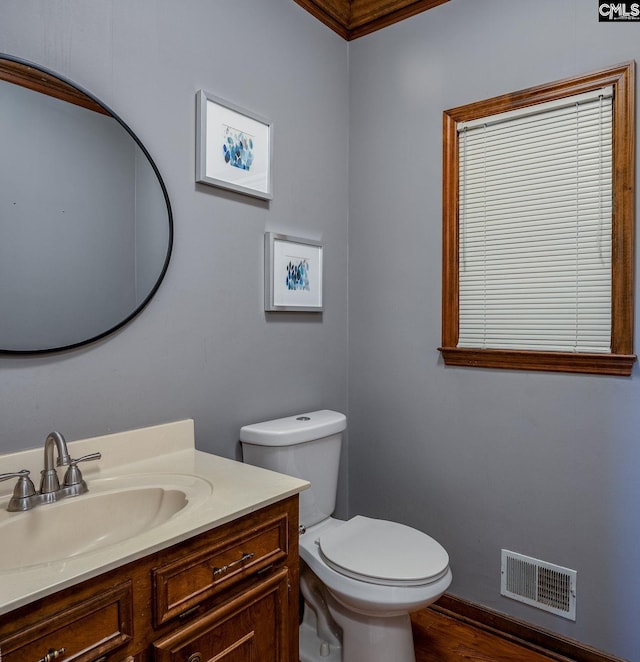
x=538 y=223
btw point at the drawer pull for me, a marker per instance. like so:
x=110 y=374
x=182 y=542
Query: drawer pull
x=52 y=654
x=196 y=657
x=220 y=570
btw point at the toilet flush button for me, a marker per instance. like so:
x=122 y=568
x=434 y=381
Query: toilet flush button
x=303 y=418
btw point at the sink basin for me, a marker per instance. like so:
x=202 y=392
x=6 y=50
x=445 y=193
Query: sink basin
x=114 y=510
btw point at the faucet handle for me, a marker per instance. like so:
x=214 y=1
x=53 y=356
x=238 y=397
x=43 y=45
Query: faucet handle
x=73 y=475
x=87 y=458
x=23 y=491
x=23 y=473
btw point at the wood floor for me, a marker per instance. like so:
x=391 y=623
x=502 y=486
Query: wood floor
x=441 y=638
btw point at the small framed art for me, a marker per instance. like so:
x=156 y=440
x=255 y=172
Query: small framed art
x=293 y=273
x=233 y=147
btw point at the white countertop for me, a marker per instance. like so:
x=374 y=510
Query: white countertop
x=236 y=489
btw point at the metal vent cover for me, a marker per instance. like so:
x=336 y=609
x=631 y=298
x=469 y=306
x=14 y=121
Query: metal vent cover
x=539 y=584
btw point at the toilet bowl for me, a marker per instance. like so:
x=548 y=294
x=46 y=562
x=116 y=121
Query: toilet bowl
x=372 y=589
x=360 y=578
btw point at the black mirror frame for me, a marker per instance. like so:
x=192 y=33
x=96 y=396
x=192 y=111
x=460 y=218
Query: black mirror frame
x=107 y=110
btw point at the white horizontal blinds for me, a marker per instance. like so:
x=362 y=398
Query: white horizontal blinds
x=535 y=228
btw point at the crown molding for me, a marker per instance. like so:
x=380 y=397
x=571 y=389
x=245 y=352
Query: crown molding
x=355 y=18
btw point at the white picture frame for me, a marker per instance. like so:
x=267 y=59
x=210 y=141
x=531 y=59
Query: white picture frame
x=294 y=274
x=234 y=147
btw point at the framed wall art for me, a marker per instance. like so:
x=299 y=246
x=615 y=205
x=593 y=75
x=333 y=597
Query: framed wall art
x=293 y=273
x=233 y=147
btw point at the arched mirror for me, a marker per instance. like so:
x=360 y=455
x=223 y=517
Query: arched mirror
x=85 y=221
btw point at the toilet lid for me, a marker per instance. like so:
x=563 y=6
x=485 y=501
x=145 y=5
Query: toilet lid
x=381 y=552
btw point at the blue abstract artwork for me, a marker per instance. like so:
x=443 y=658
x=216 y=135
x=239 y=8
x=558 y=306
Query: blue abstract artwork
x=237 y=148
x=297 y=275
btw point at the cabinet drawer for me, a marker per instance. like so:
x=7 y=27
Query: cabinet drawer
x=184 y=584
x=86 y=631
x=252 y=626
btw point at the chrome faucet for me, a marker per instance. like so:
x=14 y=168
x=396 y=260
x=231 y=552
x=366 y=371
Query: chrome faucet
x=49 y=483
x=25 y=496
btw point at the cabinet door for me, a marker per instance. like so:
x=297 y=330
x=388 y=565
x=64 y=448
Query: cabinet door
x=192 y=578
x=251 y=627
x=85 y=631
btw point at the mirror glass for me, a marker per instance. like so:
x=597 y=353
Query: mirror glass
x=85 y=221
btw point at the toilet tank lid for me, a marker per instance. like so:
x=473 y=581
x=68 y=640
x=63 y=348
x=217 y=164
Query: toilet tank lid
x=294 y=429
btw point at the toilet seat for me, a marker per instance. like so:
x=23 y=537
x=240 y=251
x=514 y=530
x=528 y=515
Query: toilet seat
x=382 y=552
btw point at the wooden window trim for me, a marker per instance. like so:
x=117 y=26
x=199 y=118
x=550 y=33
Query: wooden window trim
x=621 y=359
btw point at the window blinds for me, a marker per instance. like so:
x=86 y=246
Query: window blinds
x=535 y=227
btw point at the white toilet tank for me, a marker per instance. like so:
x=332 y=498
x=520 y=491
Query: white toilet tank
x=306 y=446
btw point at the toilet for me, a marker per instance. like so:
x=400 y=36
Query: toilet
x=360 y=579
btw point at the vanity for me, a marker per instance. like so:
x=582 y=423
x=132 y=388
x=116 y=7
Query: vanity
x=174 y=555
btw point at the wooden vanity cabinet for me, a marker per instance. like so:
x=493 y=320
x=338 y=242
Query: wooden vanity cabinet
x=229 y=594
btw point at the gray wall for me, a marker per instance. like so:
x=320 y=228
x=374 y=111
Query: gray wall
x=204 y=347
x=547 y=465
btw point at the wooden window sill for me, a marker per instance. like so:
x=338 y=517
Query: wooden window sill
x=598 y=364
